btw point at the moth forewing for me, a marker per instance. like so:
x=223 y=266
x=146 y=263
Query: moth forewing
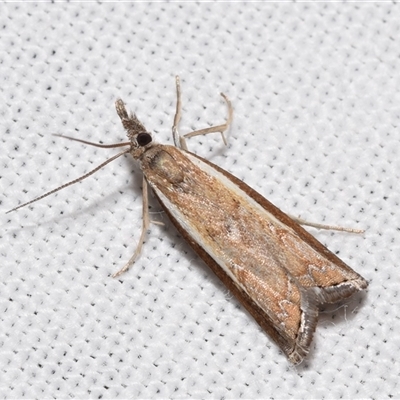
x=277 y=270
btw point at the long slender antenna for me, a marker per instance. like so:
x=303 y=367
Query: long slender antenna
x=81 y=178
x=103 y=146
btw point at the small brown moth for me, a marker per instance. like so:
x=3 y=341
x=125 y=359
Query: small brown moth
x=278 y=271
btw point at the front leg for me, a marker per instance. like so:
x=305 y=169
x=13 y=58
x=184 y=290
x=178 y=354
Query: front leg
x=180 y=141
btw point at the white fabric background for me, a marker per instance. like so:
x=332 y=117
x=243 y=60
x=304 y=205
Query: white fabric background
x=315 y=89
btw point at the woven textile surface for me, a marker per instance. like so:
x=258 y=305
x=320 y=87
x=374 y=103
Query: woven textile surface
x=316 y=130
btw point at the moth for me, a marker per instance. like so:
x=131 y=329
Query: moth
x=278 y=271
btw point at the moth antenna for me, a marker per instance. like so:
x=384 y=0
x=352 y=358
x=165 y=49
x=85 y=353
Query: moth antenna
x=81 y=178
x=104 y=146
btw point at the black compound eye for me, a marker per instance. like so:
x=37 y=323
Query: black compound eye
x=143 y=139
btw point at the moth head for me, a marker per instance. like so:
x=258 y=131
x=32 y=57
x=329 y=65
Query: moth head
x=138 y=135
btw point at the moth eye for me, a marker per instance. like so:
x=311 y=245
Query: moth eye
x=143 y=139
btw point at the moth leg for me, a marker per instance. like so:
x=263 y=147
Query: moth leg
x=301 y=221
x=157 y=222
x=177 y=118
x=180 y=141
x=145 y=227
